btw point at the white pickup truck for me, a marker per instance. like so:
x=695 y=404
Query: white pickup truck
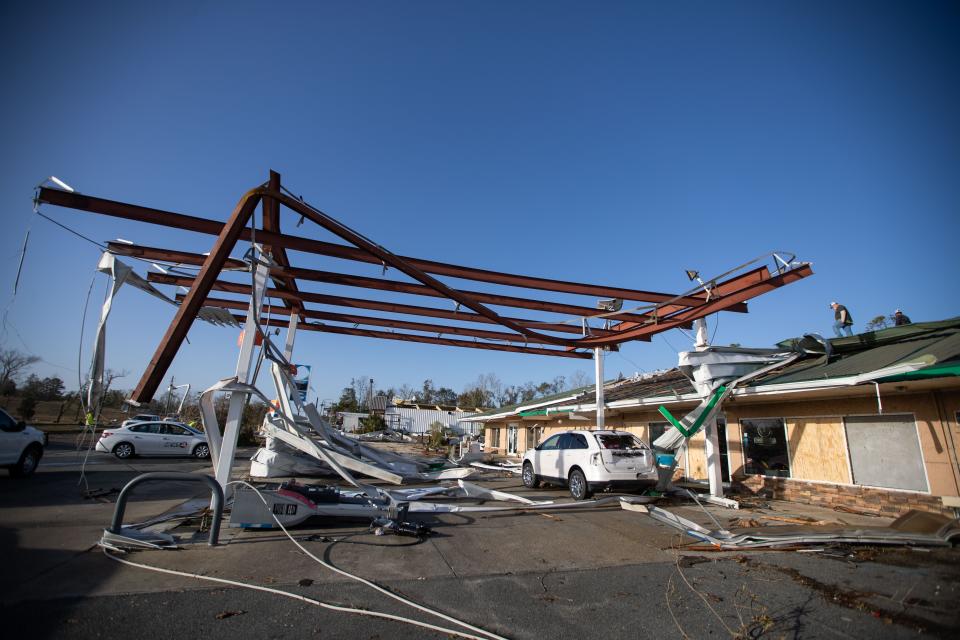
x=21 y=446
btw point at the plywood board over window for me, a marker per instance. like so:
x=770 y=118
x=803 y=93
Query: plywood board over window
x=818 y=449
x=885 y=452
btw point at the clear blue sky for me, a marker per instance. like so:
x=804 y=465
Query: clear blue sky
x=616 y=142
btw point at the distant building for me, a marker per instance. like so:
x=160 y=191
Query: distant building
x=416 y=417
x=350 y=421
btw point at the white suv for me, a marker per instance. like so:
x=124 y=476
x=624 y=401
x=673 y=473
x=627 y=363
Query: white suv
x=589 y=461
x=21 y=446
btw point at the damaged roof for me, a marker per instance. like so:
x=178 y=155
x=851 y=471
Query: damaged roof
x=934 y=346
x=925 y=343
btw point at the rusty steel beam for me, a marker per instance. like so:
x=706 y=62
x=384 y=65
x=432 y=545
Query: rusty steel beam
x=750 y=286
x=395 y=286
x=187 y=311
x=169 y=255
x=409 y=337
x=183 y=257
x=380 y=322
x=719 y=290
x=359 y=303
x=390 y=259
x=271 y=224
x=212 y=227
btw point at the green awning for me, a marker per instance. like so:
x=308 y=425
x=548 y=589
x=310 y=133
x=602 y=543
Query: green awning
x=534 y=412
x=945 y=370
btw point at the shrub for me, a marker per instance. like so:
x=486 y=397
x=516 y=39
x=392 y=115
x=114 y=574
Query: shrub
x=27 y=407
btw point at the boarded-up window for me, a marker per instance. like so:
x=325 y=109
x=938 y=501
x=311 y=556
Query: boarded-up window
x=885 y=452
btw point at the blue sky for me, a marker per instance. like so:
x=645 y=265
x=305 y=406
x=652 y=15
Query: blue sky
x=617 y=143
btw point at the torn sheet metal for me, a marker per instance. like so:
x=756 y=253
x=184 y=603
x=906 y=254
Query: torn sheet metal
x=268 y=462
x=317 y=435
x=912 y=528
x=294 y=503
x=121 y=274
x=515 y=469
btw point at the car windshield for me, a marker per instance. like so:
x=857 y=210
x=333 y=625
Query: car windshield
x=620 y=441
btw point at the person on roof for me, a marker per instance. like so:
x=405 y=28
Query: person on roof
x=900 y=318
x=842 y=320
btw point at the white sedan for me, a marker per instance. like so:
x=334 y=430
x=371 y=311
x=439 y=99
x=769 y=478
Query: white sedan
x=589 y=461
x=162 y=438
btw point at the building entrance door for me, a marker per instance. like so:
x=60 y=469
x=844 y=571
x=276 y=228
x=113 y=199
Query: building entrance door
x=512 y=439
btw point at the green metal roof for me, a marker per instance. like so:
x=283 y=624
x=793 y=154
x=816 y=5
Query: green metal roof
x=926 y=343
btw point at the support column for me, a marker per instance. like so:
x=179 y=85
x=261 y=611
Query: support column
x=598 y=377
x=291 y=335
x=710 y=431
x=284 y=390
x=231 y=429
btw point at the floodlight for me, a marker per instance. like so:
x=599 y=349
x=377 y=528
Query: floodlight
x=693 y=275
x=613 y=304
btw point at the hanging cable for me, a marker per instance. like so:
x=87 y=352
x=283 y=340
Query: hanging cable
x=716 y=325
x=486 y=635
x=76 y=233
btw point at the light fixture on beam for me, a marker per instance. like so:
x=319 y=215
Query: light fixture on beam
x=612 y=304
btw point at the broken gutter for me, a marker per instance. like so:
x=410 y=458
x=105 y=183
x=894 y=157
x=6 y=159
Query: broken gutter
x=519 y=411
x=879 y=375
x=832 y=383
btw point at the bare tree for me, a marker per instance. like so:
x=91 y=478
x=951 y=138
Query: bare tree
x=12 y=364
x=578 y=379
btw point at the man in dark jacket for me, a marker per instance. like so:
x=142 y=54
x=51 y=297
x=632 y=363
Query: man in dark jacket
x=842 y=320
x=900 y=318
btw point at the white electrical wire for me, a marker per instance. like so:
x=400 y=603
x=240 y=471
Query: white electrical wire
x=486 y=635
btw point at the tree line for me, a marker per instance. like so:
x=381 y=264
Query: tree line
x=486 y=392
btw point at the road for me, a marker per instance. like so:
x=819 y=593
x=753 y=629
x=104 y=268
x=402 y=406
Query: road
x=599 y=573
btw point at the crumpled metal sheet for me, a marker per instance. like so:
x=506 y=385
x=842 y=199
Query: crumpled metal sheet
x=913 y=528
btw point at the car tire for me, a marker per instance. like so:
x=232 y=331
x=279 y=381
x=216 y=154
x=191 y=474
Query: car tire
x=579 y=489
x=530 y=479
x=123 y=450
x=201 y=452
x=27 y=463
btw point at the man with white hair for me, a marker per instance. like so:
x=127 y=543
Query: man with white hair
x=842 y=320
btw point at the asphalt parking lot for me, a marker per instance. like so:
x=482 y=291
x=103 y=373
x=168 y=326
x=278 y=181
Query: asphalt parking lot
x=594 y=573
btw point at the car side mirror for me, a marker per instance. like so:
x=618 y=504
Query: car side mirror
x=21 y=425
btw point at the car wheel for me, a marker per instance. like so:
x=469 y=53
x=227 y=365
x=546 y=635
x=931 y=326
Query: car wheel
x=530 y=479
x=579 y=488
x=28 y=462
x=201 y=451
x=123 y=450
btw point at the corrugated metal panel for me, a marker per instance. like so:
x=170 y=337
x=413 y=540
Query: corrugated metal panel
x=419 y=420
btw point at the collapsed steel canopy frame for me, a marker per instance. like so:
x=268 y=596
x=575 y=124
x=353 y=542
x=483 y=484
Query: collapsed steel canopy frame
x=658 y=311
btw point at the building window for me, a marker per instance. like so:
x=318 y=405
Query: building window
x=765 y=447
x=885 y=452
x=495 y=438
x=532 y=433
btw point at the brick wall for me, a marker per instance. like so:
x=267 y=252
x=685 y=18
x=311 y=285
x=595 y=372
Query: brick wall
x=879 y=501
